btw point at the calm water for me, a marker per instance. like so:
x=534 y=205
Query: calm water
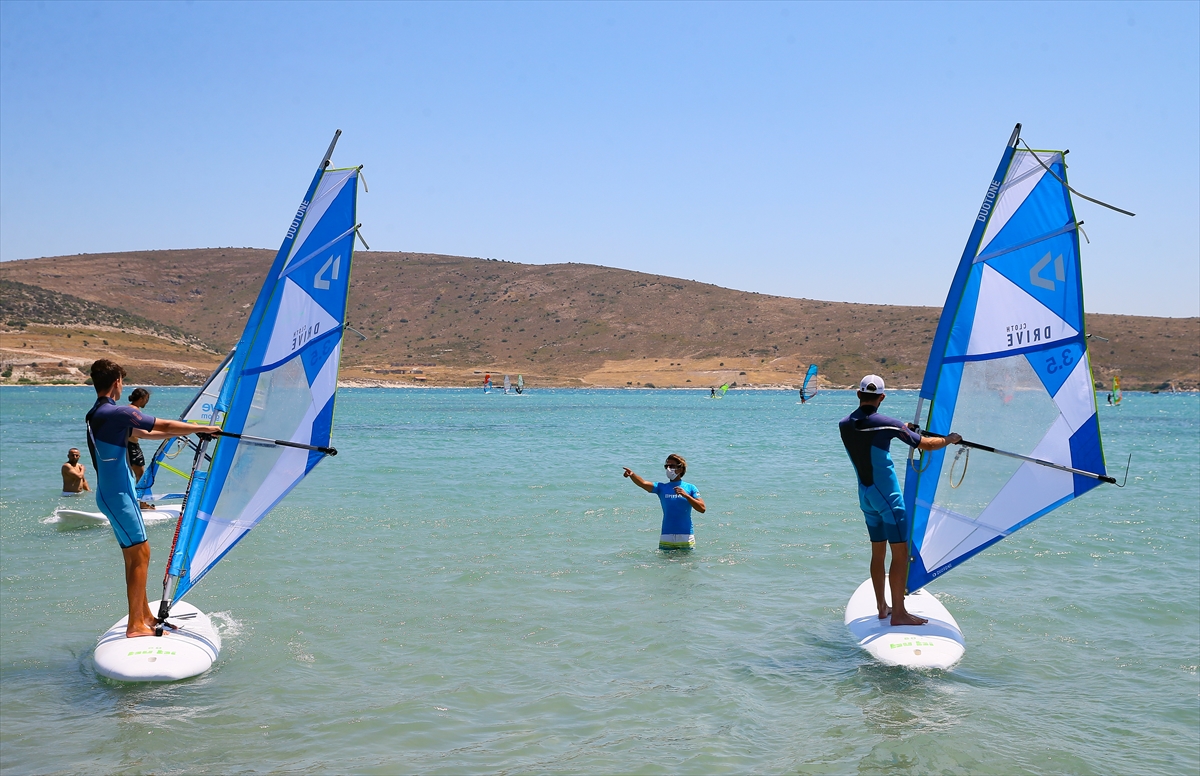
x=470 y=586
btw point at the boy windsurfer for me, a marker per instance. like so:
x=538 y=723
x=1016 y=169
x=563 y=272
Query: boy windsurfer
x=867 y=436
x=110 y=428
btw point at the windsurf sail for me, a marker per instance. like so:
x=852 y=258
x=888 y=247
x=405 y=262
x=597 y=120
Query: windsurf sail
x=721 y=391
x=809 y=388
x=277 y=400
x=520 y=383
x=1009 y=365
x=1116 y=394
x=507 y=384
x=200 y=410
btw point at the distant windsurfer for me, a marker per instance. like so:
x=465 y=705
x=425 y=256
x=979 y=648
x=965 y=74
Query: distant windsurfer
x=1110 y=399
x=73 y=475
x=110 y=428
x=712 y=392
x=678 y=499
x=867 y=436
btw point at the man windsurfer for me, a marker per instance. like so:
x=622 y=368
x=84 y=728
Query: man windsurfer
x=678 y=499
x=110 y=428
x=867 y=436
x=74 y=480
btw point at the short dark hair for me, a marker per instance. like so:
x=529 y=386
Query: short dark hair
x=105 y=373
x=138 y=394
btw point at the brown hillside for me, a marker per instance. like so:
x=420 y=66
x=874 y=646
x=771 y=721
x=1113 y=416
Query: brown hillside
x=572 y=324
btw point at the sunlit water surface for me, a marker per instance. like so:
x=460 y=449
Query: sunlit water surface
x=471 y=586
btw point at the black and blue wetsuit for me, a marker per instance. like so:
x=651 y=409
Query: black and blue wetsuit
x=868 y=436
x=116 y=495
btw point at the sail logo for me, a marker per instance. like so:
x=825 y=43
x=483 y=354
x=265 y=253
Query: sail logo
x=321 y=281
x=304 y=334
x=291 y=232
x=1035 y=273
x=1020 y=334
x=988 y=201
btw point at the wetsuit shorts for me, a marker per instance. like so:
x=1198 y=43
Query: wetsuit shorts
x=135 y=454
x=124 y=514
x=884 y=511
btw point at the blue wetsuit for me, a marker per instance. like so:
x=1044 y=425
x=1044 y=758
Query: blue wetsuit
x=868 y=436
x=116 y=495
x=677 y=514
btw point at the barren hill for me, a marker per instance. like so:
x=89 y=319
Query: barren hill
x=449 y=318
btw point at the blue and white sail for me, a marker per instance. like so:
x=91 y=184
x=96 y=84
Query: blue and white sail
x=200 y=410
x=809 y=388
x=1009 y=366
x=281 y=383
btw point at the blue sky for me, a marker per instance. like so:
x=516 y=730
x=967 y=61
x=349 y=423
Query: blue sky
x=827 y=151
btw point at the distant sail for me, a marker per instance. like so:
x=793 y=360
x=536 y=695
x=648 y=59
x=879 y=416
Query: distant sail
x=200 y=411
x=281 y=383
x=1009 y=365
x=507 y=384
x=1116 y=393
x=810 y=379
x=520 y=383
x=721 y=391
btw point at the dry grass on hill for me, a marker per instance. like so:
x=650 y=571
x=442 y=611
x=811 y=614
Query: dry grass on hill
x=452 y=318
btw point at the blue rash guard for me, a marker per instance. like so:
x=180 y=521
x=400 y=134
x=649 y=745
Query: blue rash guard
x=868 y=436
x=116 y=495
x=677 y=515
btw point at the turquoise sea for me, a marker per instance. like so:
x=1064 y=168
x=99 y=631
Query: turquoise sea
x=472 y=587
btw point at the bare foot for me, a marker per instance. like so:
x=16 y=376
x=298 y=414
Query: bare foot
x=130 y=634
x=904 y=618
x=885 y=612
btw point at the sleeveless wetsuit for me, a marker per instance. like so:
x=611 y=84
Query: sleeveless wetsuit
x=677 y=515
x=108 y=432
x=868 y=436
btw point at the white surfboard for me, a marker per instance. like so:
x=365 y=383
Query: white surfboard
x=938 y=643
x=187 y=651
x=68 y=519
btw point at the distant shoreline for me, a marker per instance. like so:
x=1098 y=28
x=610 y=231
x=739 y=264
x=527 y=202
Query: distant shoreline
x=356 y=384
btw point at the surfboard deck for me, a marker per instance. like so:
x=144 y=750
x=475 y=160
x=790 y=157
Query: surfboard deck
x=938 y=643
x=177 y=654
x=67 y=519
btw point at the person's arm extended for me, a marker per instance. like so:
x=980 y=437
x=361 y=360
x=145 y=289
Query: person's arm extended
x=164 y=429
x=696 y=502
x=640 y=481
x=938 y=442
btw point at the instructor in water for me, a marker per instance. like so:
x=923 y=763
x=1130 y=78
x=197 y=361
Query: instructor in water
x=110 y=428
x=868 y=436
x=678 y=499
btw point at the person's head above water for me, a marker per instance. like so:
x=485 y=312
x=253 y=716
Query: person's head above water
x=675 y=467
x=73 y=455
x=870 y=390
x=105 y=375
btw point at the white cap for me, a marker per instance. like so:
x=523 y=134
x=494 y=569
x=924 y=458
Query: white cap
x=871 y=384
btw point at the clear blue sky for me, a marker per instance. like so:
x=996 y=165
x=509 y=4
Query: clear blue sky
x=829 y=151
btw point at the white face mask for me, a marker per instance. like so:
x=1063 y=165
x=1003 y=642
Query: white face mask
x=672 y=474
